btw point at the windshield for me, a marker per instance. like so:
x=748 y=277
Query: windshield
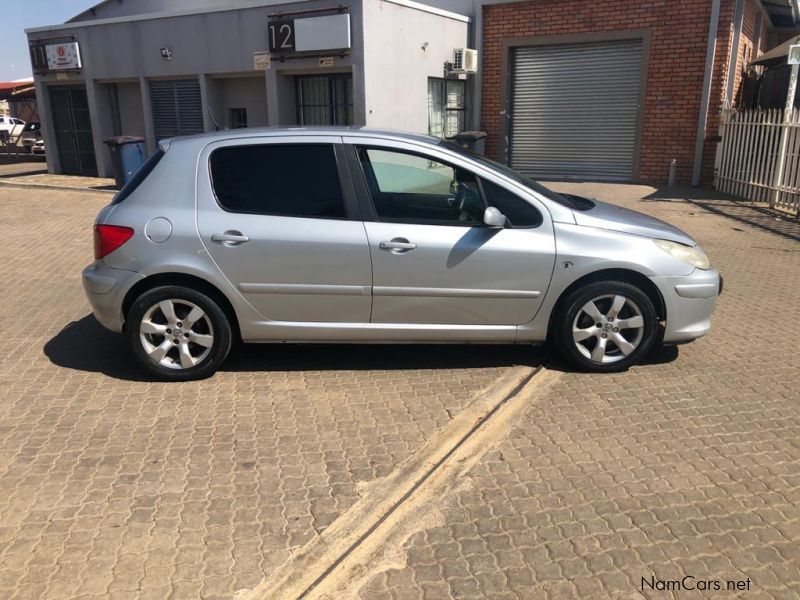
x=567 y=200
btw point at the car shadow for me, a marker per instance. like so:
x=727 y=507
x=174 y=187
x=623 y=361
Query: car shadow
x=659 y=355
x=473 y=239
x=6 y=176
x=85 y=345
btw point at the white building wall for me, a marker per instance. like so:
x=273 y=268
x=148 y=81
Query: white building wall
x=114 y=9
x=403 y=46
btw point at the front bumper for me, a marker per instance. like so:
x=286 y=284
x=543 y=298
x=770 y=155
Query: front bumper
x=106 y=288
x=689 y=301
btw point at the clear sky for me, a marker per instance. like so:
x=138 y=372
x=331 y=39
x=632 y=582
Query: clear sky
x=16 y=16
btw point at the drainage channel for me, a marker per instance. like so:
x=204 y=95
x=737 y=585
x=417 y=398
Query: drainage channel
x=391 y=501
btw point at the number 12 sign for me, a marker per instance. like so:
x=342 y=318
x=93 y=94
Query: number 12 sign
x=281 y=36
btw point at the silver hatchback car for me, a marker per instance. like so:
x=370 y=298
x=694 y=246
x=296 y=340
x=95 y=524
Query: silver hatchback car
x=351 y=235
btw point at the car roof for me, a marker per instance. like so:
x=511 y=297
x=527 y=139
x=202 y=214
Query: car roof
x=307 y=131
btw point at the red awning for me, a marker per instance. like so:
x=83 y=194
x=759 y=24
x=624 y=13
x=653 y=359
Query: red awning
x=16 y=89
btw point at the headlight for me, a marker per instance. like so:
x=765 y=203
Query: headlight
x=688 y=254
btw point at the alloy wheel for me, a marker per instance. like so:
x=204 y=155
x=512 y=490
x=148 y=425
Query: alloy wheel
x=608 y=328
x=176 y=334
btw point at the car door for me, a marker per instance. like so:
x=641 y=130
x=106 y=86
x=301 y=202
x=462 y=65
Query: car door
x=274 y=217
x=434 y=261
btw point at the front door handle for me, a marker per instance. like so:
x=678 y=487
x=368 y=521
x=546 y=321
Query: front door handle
x=230 y=238
x=398 y=245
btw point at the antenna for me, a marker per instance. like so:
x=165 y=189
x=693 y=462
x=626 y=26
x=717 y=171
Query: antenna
x=213 y=120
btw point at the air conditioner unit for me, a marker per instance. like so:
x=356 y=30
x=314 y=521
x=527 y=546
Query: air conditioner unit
x=465 y=60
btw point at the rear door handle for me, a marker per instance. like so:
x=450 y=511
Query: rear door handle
x=398 y=244
x=230 y=238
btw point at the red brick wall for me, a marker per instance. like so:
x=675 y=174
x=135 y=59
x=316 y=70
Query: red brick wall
x=754 y=32
x=679 y=33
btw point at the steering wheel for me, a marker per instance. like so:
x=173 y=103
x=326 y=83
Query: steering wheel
x=458 y=192
x=460 y=201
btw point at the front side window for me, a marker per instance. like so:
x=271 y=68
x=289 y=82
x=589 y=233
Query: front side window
x=411 y=188
x=518 y=212
x=278 y=179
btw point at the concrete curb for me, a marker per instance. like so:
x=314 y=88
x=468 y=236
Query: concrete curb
x=333 y=555
x=44 y=186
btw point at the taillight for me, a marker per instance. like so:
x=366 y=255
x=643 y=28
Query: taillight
x=108 y=238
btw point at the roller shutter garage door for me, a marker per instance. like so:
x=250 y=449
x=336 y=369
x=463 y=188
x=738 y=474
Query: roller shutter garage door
x=574 y=110
x=177 y=107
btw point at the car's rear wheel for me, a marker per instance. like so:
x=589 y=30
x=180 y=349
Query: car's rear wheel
x=605 y=326
x=178 y=333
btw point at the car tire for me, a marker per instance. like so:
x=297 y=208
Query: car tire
x=605 y=327
x=178 y=334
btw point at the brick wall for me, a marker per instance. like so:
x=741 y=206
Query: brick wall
x=679 y=30
x=752 y=43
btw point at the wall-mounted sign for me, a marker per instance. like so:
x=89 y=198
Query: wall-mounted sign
x=326 y=61
x=262 y=61
x=309 y=34
x=281 y=35
x=64 y=56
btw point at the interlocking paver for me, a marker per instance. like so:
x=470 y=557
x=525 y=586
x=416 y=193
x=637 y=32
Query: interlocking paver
x=11 y=169
x=115 y=485
x=35 y=174
x=685 y=466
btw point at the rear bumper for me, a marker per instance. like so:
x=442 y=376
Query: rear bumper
x=689 y=301
x=105 y=289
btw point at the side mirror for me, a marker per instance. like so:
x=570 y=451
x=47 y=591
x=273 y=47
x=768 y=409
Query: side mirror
x=494 y=218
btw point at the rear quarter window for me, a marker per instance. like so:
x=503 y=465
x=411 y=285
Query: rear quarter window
x=293 y=180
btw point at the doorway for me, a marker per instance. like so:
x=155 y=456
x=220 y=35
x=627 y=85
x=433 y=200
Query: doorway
x=325 y=99
x=73 y=130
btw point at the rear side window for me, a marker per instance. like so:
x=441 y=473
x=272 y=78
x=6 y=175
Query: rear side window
x=292 y=180
x=518 y=212
x=138 y=177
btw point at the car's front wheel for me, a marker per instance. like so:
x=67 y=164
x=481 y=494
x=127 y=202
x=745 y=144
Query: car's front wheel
x=605 y=326
x=178 y=334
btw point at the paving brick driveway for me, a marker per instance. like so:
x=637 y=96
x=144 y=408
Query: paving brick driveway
x=114 y=486
x=686 y=468
x=110 y=485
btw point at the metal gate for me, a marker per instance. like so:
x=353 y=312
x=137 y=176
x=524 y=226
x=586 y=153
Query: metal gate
x=758 y=156
x=73 y=130
x=575 y=110
x=177 y=107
